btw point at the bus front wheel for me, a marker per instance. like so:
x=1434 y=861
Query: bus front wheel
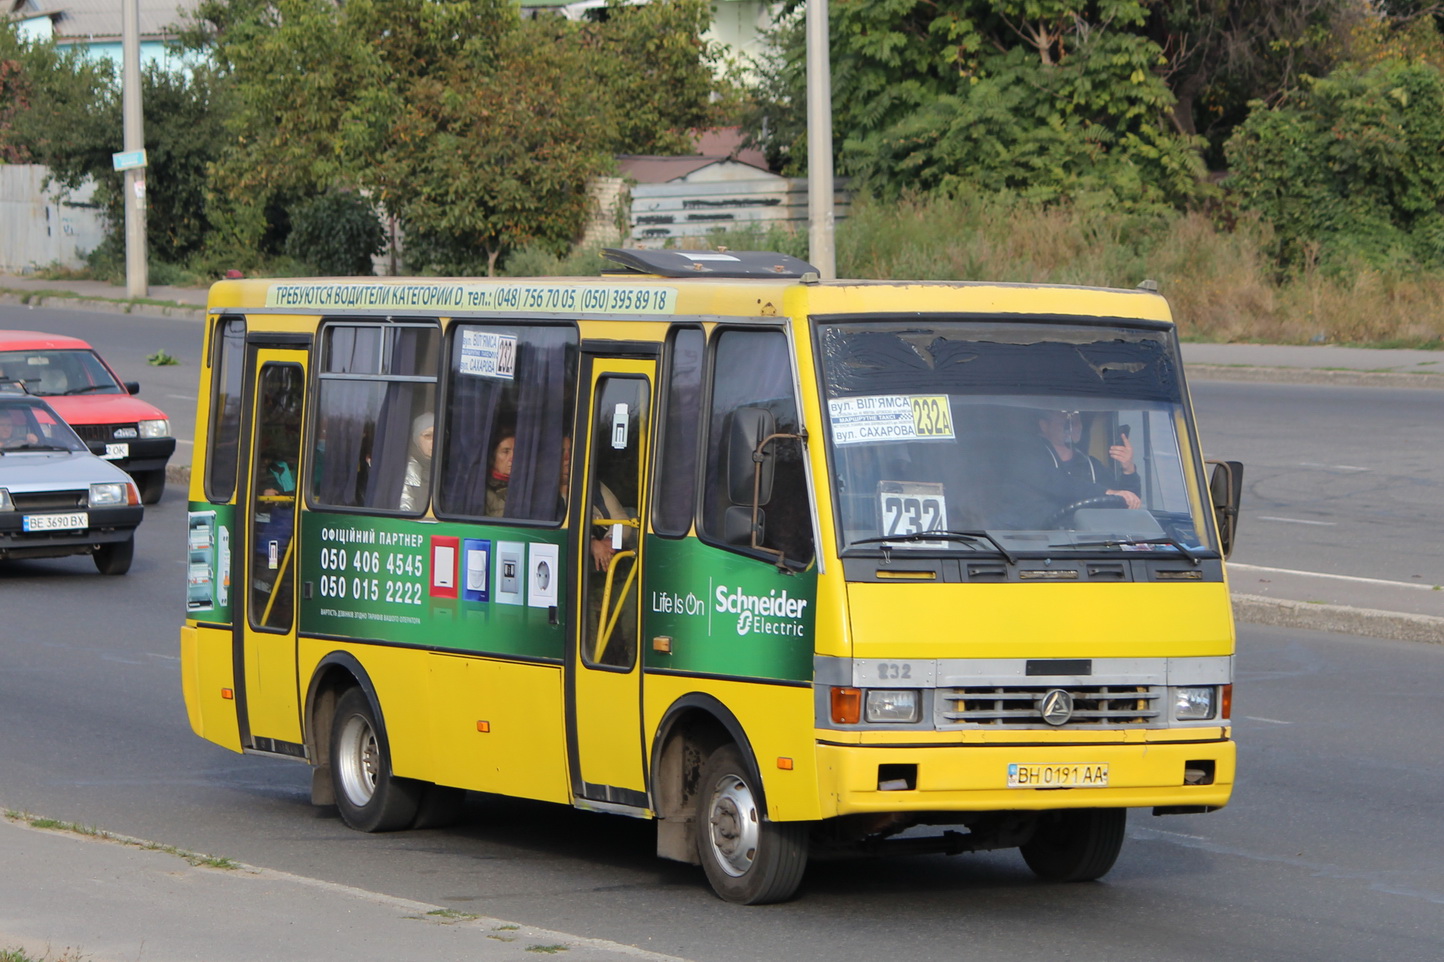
x=1075 y=845
x=369 y=797
x=748 y=859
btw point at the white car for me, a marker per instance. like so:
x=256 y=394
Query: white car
x=56 y=498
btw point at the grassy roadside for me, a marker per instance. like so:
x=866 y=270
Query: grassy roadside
x=90 y=831
x=1223 y=285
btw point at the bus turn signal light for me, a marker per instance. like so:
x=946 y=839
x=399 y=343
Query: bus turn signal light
x=1226 y=703
x=846 y=706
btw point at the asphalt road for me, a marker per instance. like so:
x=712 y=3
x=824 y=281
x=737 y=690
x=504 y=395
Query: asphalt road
x=1342 y=480
x=1329 y=851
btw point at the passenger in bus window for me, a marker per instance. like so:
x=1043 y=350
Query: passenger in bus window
x=417 y=483
x=601 y=535
x=1071 y=475
x=498 y=478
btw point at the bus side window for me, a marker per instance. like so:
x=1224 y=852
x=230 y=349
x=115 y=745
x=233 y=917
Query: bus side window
x=376 y=387
x=748 y=365
x=225 y=429
x=506 y=381
x=676 y=479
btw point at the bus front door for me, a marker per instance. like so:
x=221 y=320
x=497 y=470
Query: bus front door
x=605 y=675
x=269 y=707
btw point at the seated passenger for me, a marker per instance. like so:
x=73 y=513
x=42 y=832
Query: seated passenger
x=417 y=484
x=15 y=428
x=498 y=477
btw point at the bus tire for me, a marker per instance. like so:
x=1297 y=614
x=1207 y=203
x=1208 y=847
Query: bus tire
x=440 y=806
x=369 y=797
x=748 y=859
x=1075 y=845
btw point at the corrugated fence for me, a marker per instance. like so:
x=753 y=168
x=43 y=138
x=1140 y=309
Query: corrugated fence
x=38 y=229
x=663 y=212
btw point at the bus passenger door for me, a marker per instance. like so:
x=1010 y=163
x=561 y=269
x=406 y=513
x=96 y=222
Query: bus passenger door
x=270 y=709
x=604 y=703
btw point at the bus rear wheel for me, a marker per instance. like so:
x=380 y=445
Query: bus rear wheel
x=369 y=797
x=1075 y=845
x=747 y=858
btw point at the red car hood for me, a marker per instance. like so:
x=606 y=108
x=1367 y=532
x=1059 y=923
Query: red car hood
x=103 y=408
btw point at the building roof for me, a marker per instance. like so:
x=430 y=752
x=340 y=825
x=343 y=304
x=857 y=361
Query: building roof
x=100 y=19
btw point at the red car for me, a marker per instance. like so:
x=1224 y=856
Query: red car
x=116 y=426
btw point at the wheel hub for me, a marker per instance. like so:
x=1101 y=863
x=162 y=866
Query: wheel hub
x=733 y=826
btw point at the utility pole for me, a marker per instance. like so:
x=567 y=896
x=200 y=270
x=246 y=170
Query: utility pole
x=821 y=253
x=136 y=279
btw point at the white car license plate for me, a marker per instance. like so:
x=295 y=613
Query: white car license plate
x=1079 y=775
x=114 y=452
x=55 y=522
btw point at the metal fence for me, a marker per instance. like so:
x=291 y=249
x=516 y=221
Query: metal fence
x=665 y=212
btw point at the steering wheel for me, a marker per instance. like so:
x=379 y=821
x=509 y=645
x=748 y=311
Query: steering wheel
x=1100 y=501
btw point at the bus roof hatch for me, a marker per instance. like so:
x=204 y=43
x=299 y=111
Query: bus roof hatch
x=706 y=263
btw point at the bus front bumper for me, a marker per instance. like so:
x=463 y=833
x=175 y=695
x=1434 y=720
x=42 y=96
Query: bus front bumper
x=977 y=778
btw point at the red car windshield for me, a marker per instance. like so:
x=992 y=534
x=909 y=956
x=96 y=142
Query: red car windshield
x=49 y=373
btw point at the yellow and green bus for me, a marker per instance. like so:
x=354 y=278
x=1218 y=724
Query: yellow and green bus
x=794 y=568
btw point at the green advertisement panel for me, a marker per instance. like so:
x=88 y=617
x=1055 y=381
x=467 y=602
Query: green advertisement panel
x=210 y=530
x=467 y=587
x=726 y=614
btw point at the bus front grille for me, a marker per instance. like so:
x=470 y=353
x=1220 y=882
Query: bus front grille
x=1093 y=706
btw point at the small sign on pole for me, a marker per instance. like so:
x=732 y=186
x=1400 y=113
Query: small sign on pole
x=128 y=159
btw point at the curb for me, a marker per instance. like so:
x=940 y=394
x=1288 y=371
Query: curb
x=100 y=305
x=1314 y=375
x=1371 y=622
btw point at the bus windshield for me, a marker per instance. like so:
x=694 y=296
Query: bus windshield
x=1009 y=437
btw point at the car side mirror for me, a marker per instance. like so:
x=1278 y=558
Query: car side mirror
x=1225 y=490
x=132 y=387
x=751 y=426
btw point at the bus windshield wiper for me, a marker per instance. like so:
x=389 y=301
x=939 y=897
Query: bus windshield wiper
x=1124 y=542
x=964 y=537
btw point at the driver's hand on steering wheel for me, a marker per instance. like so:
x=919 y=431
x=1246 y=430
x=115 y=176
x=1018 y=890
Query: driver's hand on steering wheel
x=1129 y=498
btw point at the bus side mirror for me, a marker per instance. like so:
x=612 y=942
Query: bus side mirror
x=737 y=526
x=1225 y=490
x=750 y=428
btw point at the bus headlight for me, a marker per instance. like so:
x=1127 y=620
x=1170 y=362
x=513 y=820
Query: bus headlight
x=109 y=492
x=1195 y=703
x=157 y=428
x=883 y=705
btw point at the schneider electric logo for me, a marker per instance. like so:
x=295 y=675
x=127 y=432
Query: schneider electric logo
x=775 y=613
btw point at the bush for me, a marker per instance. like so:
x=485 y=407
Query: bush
x=337 y=234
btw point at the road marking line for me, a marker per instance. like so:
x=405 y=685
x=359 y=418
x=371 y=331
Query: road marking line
x=1270 y=721
x=191 y=397
x=1320 y=574
x=1332 y=467
x=1326 y=524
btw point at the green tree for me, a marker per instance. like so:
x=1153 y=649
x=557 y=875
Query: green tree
x=478 y=129
x=336 y=234
x=1350 y=169
x=1055 y=99
x=70 y=120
